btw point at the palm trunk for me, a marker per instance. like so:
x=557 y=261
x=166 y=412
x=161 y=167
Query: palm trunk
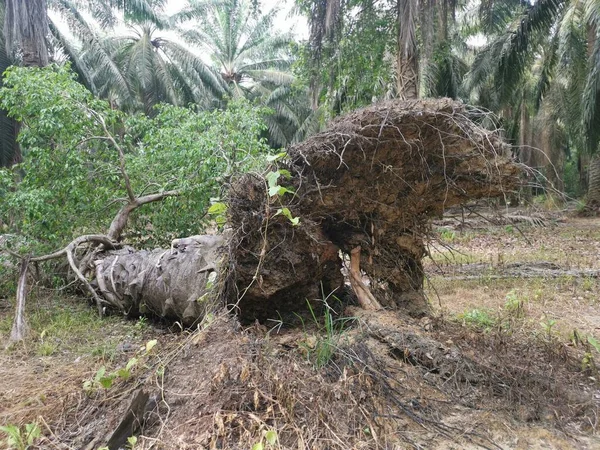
x=25 y=31
x=407 y=83
x=593 y=193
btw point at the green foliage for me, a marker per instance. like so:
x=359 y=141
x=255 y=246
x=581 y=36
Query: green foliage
x=104 y=380
x=447 y=235
x=478 y=318
x=21 y=438
x=270 y=440
x=70 y=182
x=514 y=304
x=354 y=66
x=548 y=326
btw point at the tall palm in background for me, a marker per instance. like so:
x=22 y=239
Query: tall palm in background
x=253 y=60
x=555 y=43
x=25 y=27
x=140 y=67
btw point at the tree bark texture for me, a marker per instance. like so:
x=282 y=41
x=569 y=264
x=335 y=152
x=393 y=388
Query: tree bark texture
x=174 y=283
x=593 y=193
x=26 y=30
x=407 y=63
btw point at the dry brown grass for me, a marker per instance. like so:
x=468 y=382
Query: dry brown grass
x=390 y=383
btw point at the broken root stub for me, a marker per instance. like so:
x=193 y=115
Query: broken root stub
x=374 y=179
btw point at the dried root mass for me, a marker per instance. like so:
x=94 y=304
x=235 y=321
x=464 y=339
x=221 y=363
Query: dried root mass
x=373 y=180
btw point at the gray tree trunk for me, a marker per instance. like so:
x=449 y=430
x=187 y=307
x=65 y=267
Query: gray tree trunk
x=407 y=64
x=26 y=31
x=593 y=193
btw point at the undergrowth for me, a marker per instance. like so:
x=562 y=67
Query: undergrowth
x=65 y=325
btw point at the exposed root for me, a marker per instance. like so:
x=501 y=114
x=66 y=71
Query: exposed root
x=363 y=294
x=19 y=328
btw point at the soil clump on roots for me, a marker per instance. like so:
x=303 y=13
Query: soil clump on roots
x=370 y=184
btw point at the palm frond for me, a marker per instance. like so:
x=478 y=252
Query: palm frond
x=591 y=100
x=538 y=19
x=271 y=76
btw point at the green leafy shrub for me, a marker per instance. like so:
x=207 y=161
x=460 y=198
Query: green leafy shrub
x=71 y=181
x=478 y=318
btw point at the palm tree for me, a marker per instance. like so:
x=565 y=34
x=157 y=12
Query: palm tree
x=557 y=42
x=253 y=61
x=241 y=43
x=139 y=68
x=158 y=69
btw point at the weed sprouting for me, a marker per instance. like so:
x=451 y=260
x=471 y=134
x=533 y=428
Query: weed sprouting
x=478 y=318
x=105 y=380
x=21 y=438
x=323 y=345
x=447 y=235
x=514 y=305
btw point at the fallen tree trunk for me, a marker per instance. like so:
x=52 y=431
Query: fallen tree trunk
x=366 y=187
x=173 y=284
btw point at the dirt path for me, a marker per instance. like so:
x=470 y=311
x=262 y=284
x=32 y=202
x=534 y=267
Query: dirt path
x=551 y=271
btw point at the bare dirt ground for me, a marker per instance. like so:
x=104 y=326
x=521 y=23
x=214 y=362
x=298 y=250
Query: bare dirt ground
x=507 y=362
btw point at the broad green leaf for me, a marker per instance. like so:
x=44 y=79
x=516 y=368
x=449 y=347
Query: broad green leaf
x=283 y=190
x=274 y=190
x=217 y=208
x=594 y=343
x=272 y=178
x=285 y=173
x=258 y=446
x=271 y=437
x=107 y=382
x=124 y=374
x=132 y=362
x=287 y=213
x=100 y=373
x=276 y=157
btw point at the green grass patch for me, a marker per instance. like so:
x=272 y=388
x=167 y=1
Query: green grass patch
x=68 y=325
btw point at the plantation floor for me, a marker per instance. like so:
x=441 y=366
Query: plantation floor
x=507 y=361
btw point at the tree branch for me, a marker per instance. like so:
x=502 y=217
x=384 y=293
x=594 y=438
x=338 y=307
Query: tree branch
x=120 y=221
x=112 y=140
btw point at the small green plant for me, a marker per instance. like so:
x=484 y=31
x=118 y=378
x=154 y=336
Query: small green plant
x=269 y=439
x=478 y=318
x=275 y=190
x=21 y=438
x=141 y=324
x=588 y=284
x=102 y=380
x=447 y=235
x=509 y=229
x=548 y=326
x=131 y=442
x=321 y=348
x=514 y=305
x=47 y=348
